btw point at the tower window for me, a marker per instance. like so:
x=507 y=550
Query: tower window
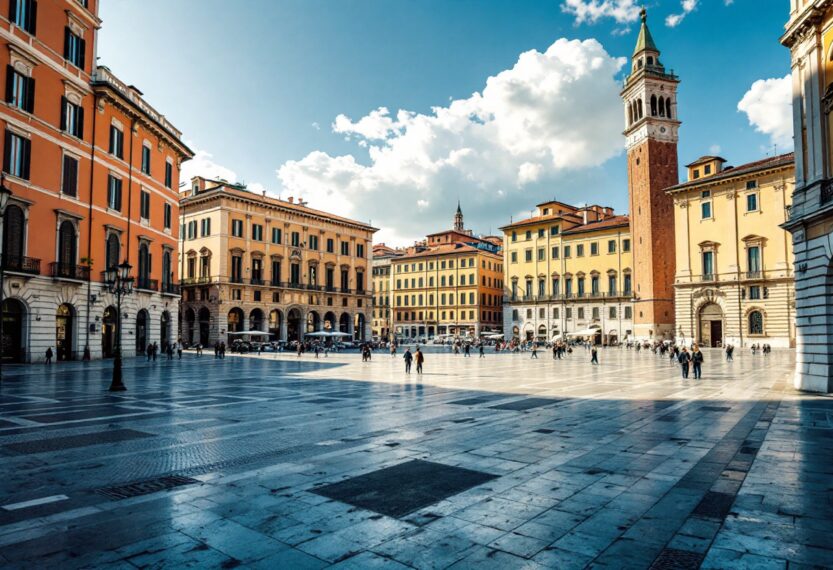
x=653 y=105
x=668 y=107
x=650 y=60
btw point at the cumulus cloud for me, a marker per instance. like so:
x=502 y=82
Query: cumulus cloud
x=591 y=11
x=203 y=165
x=687 y=6
x=550 y=114
x=768 y=106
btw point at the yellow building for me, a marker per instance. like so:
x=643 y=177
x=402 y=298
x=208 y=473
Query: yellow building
x=450 y=284
x=381 y=321
x=255 y=263
x=568 y=271
x=734 y=281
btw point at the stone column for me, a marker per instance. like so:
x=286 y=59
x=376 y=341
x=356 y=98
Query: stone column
x=283 y=329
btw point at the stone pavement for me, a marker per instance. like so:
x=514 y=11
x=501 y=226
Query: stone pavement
x=501 y=462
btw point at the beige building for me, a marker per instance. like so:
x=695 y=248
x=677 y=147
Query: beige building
x=449 y=284
x=568 y=271
x=734 y=281
x=255 y=263
x=382 y=286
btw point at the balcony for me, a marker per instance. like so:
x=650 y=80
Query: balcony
x=236 y=279
x=330 y=289
x=708 y=277
x=69 y=271
x=146 y=284
x=170 y=289
x=21 y=264
x=275 y=283
x=256 y=281
x=754 y=275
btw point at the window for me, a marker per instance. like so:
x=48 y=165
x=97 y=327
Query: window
x=360 y=251
x=514 y=236
x=611 y=285
x=146 y=159
x=611 y=313
x=706 y=194
x=628 y=313
x=751 y=184
x=568 y=312
x=581 y=312
x=24 y=15
x=111 y=258
x=555 y=284
x=205 y=227
x=626 y=245
x=169 y=174
x=20 y=90
x=237 y=228
x=166 y=216
x=528 y=235
x=116 y=141
x=513 y=257
x=594 y=285
x=331 y=246
x=144 y=205
x=627 y=285
x=276 y=235
x=708 y=264
x=554 y=231
x=755 y=292
x=752 y=202
x=236 y=269
x=257 y=232
x=114 y=193
x=542 y=254
x=696 y=173
x=555 y=252
x=611 y=246
x=528 y=255
x=753 y=260
x=580 y=250
x=555 y=313
x=566 y=251
x=345 y=248
x=756 y=322
x=69 y=184
x=705 y=210
x=594 y=248
x=72 y=118
x=192 y=229
x=75 y=48
x=66 y=248
x=595 y=313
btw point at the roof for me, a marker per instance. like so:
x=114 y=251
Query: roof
x=704 y=159
x=606 y=224
x=538 y=219
x=445 y=249
x=266 y=200
x=645 y=41
x=772 y=162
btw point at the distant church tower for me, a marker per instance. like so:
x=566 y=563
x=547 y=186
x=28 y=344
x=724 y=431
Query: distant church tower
x=650 y=98
x=458 y=219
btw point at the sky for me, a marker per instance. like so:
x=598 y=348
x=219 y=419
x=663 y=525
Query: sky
x=390 y=111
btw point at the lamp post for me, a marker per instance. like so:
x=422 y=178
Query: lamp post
x=119 y=283
x=5 y=194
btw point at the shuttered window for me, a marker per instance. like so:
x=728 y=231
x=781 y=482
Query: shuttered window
x=69 y=185
x=20 y=90
x=17 y=155
x=24 y=14
x=75 y=48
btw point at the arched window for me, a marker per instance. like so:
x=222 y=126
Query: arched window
x=13 y=228
x=639 y=108
x=653 y=105
x=668 y=107
x=650 y=60
x=112 y=255
x=144 y=266
x=66 y=244
x=167 y=274
x=661 y=107
x=630 y=115
x=756 y=322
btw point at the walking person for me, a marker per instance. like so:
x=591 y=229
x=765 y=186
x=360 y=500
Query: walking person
x=222 y=350
x=420 y=358
x=730 y=349
x=393 y=349
x=594 y=356
x=697 y=362
x=534 y=351
x=49 y=355
x=684 y=360
x=482 y=354
x=467 y=351
x=179 y=349
x=199 y=349
x=170 y=351
x=408 y=359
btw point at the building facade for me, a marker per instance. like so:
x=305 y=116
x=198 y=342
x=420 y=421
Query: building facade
x=568 y=272
x=809 y=37
x=735 y=281
x=651 y=134
x=255 y=263
x=382 y=287
x=94 y=171
x=450 y=284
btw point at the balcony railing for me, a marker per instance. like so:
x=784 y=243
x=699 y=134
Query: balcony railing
x=236 y=279
x=256 y=281
x=21 y=264
x=170 y=289
x=754 y=275
x=707 y=277
x=71 y=271
x=147 y=284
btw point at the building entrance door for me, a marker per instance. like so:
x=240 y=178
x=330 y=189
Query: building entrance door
x=716 y=333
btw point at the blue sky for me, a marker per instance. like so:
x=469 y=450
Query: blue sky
x=258 y=85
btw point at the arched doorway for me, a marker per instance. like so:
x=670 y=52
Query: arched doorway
x=256 y=320
x=542 y=333
x=190 y=319
x=275 y=319
x=165 y=330
x=711 y=325
x=142 y=319
x=108 y=332
x=204 y=317
x=293 y=325
x=14 y=321
x=358 y=327
x=529 y=334
x=313 y=321
x=344 y=323
x=330 y=321
x=64 y=333
x=235 y=320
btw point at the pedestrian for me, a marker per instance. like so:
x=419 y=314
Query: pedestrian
x=300 y=349
x=316 y=350
x=420 y=358
x=170 y=351
x=730 y=349
x=482 y=355
x=534 y=351
x=684 y=359
x=199 y=349
x=179 y=349
x=393 y=349
x=467 y=350
x=149 y=351
x=216 y=350
x=697 y=362
x=49 y=355
x=408 y=358
x=594 y=356
x=222 y=350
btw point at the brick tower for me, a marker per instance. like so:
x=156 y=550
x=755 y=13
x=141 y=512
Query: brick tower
x=650 y=98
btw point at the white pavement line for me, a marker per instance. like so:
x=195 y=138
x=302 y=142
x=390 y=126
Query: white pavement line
x=34 y=502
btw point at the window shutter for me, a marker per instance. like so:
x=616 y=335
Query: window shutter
x=33 y=17
x=79 y=120
x=27 y=155
x=67 y=33
x=63 y=113
x=7 y=152
x=9 y=83
x=118 y=195
x=30 y=95
x=83 y=53
x=12 y=9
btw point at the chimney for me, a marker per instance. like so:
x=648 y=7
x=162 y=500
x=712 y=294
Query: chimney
x=584 y=215
x=291 y=200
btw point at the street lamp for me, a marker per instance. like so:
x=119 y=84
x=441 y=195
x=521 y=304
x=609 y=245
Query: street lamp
x=5 y=194
x=119 y=283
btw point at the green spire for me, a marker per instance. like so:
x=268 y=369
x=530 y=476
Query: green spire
x=644 y=41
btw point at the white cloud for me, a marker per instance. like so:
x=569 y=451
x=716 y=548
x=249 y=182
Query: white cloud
x=550 y=114
x=315 y=126
x=203 y=165
x=714 y=149
x=768 y=106
x=687 y=6
x=591 y=11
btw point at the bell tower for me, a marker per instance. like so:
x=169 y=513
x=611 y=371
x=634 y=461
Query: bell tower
x=458 y=219
x=651 y=132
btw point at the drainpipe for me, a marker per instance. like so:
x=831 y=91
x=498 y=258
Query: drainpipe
x=87 y=355
x=737 y=261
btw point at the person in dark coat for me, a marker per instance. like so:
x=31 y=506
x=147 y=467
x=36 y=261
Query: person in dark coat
x=697 y=362
x=594 y=356
x=420 y=358
x=408 y=359
x=684 y=359
x=49 y=355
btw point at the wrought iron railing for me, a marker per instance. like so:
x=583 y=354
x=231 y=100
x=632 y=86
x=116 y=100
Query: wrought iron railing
x=61 y=270
x=21 y=264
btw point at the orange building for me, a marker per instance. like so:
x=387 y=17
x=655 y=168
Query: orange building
x=94 y=173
